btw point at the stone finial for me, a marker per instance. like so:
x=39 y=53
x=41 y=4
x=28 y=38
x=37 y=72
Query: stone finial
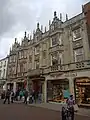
x=25 y=33
x=10 y=49
x=66 y=17
x=30 y=37
x=33 y=31
x=55 y=13
x=41 y=27
x=61 y=16
x=37 y=25
x=45 y=29
x=49 y=22
x=15 y=40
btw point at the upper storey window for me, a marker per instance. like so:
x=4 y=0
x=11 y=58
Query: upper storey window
x=54 y=41
x=76 y=34
x=37 y=49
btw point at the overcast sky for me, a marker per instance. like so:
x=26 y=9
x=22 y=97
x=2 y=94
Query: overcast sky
x=17 y=16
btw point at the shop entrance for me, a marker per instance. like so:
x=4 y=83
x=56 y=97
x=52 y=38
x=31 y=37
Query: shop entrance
x=20 y=85
x=82 y=91
x=10 y=86
x=36 y=83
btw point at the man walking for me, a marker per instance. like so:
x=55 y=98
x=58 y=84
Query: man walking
x=12 y=96
x=7 y=96
x=26 y=96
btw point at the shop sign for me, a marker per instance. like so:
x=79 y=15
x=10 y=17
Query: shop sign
x=73 y=74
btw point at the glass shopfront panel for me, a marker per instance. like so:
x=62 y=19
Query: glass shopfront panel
x=58 y=90
x=82 y=91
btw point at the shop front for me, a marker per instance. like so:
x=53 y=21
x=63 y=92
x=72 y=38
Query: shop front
x=82 y=91
x=58 y=90
x=20 y=85
x=36 y=84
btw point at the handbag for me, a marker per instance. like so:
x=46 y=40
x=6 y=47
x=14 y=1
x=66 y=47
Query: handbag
x=76 y=108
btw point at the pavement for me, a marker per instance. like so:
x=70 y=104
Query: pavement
x=30 y=112
x=58 y=107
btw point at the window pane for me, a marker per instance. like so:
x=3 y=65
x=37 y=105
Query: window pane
x=54 y=41
x=76 y=34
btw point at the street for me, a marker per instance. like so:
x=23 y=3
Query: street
x=26 y=112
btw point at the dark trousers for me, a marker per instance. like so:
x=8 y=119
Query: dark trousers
x=20 y=97
x=72 y=113
x=12 y=98
x=25 y=100
x=7 y=98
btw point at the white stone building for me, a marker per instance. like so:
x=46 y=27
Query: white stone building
x=3 y=71
x=55 y=62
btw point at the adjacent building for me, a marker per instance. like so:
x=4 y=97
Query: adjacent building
x=3 y=71
x=56 y=62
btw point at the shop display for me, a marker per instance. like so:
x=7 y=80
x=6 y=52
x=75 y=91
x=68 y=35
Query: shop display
x=58 y=91
x=82 y=91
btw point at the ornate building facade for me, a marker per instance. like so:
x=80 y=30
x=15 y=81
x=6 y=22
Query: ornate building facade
x=55 y=62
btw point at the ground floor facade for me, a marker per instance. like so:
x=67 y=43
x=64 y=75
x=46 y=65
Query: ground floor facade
x=57 y=87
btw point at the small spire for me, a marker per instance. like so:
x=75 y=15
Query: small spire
x=45 y=29
x=66 y=17
x=61 y=16
x=30 y=37
x=15 y=40
x=37 y=25
x=49 y=22
x=25 y=33
x=33 y=31
x=10 y=49
x=55 y=14
x=41 y=27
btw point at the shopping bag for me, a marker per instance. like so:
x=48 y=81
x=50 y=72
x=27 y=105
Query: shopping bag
x=76 y=108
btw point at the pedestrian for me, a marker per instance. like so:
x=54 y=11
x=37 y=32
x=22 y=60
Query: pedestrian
x=7 y=97
x=12 y=96
x=71 y=103
x=25 y=96
x=21 y=94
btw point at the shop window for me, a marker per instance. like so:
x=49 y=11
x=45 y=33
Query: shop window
x=82 y=91
x=58 y=90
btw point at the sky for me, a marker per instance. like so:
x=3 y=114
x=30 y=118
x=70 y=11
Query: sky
x=18 y=16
